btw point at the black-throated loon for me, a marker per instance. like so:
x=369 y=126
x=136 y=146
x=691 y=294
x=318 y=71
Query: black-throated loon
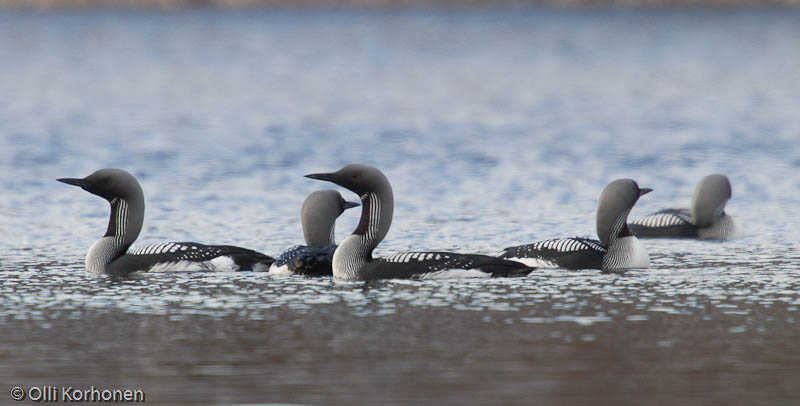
x=617 y=248
x=705 y=220
x=353 y=258
x=318 y=217
x=110 y=253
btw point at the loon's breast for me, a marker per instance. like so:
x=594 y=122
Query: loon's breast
x=626 y=253
x=722 y=228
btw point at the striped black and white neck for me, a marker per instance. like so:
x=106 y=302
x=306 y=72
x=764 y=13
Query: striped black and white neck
x=353 y=258
x=110 y=253
x=705 y=220
x=318 y=216
x=616 y=249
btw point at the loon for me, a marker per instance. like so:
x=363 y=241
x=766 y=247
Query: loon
x=110 y=253
x=616 y=249
x=318 y=217
x=353 y=258
x=705 y=220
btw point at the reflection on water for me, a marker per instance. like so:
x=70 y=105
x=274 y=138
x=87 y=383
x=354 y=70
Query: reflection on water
x=496 y=127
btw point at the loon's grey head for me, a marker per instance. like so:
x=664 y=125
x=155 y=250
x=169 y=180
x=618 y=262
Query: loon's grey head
x=710 y=197
x=125 y=195
x=108 y=183
x=375 y=192
x=616 y=201
x=357 y=178
x=318 y=215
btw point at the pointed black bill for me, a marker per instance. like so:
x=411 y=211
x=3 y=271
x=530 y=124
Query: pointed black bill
x=645 y=190
x=75 y=182
x=330 y=177
x=350 y=205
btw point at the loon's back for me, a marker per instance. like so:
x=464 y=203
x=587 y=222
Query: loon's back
x=667 y=223
x=565 y=253
x=443 y=265
x=189 y=256
x=305 y=260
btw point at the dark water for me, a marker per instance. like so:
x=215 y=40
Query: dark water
x=495 y=126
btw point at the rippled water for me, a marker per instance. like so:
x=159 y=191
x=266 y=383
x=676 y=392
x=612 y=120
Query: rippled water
x=496 y=127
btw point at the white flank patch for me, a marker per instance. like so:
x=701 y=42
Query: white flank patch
x=456 y=274
x=534 y=262
x=279 y=270
x=218 y=264
x=223 y=264
x=259 y=267
x=177 y=266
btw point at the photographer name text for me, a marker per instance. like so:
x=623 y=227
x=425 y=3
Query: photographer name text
x=67 y=394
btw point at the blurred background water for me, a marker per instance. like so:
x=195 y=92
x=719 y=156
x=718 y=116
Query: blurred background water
x=496 y=126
